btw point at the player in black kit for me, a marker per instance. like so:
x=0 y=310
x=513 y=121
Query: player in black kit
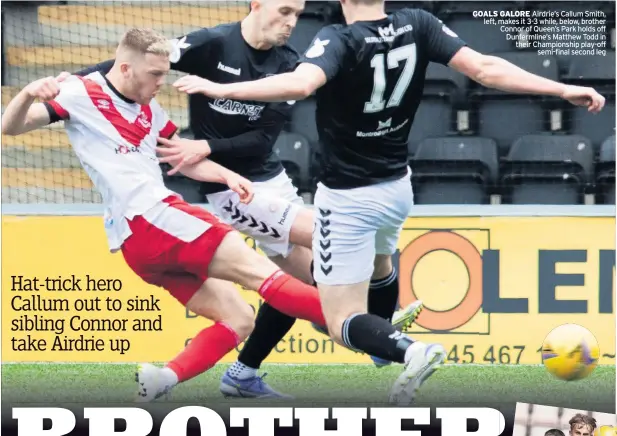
x=369 y=76
x=240 y=134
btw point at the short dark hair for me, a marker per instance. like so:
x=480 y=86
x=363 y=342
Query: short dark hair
x=579 y=420
x=554 y=432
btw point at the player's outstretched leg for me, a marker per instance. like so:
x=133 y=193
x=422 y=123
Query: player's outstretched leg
x=215 y=300
x=236 y=262
x=278 y=207
x=271 y=326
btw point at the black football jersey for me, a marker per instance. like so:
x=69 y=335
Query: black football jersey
x=375 y=71
x=221 y=54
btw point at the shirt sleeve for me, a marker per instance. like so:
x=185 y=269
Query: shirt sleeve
x=328 y=51
x=441 y=43
x=190 y=52
x=66 y=102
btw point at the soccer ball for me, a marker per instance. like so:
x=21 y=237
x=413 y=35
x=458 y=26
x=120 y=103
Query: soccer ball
x=570 y=352
x=606 y=430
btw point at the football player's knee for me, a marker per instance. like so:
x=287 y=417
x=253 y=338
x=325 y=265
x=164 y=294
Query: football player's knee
x=382 y=267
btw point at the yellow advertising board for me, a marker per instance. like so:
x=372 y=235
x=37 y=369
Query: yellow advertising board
x=493 y=288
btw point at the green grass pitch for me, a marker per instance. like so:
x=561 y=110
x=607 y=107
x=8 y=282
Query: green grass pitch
x=456 y=385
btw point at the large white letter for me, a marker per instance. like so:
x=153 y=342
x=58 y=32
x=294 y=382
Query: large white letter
x=30 y=421
x=348 y=421
x=454 y=421
x=102 y=420
x=209 y=421
x=388 y=421
x=261 y=420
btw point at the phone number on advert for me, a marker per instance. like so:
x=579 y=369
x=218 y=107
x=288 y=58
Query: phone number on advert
x=498 y=354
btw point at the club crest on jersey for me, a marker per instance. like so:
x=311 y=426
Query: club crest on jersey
x=317 y=49
x=144 y=121
x=102 y=104
x=232 y=107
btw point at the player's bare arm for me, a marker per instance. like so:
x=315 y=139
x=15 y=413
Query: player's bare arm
x=297 y=85
x=196 y=167
x=495 y=72
x=22 y=114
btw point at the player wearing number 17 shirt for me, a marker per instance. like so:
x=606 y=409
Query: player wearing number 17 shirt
x=369 y=76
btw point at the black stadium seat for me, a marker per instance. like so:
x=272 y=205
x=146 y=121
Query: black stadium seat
x=445 y=91
x=599 y=73
x=295 y=153
x=505 y=116
x=303 y=120
x=548 y=169
x=605 y=172
x=454 y=170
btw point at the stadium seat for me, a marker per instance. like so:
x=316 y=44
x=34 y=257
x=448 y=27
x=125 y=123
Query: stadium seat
x=434 y=118
x=295 y=153
x=303 y=120
x=444 y=92
x=605 y=172
x=596 y=71
x=596 y=127
x=454 y=170
x=577 y=31
x=547 y=169
x=457 y=16
x=442 y=80
x=505 y=117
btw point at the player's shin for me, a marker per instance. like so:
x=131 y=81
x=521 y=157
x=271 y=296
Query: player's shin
x=383 y=295
x=292 y=297
x=204 y=351
x=271 y=326
x=375 y=336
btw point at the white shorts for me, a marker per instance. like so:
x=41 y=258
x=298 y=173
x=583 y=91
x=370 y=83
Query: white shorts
x=353 y=225
x=267 y=218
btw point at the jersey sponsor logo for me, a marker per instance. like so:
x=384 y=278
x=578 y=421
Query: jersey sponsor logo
x=234 y=71
x=232 y=107
x=123 y=149
x=387 y=34
x=177 y=45
x=383 y=128
x=317 y=49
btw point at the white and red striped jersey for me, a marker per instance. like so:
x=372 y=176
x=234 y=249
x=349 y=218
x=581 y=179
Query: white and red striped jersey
x=115 y=139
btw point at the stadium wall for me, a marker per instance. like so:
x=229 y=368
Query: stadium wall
x=494 y=279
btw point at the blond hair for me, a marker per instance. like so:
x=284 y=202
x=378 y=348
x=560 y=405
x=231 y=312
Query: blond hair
x=144 y=41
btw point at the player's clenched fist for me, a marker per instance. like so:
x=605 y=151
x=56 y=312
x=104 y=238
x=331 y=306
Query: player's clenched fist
x=584 y=96
x=47 y=88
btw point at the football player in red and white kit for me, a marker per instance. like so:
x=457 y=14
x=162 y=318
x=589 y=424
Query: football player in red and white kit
x=114 y=124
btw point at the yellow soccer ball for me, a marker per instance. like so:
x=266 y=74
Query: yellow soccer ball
x=570 y=352
x=606 y=430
